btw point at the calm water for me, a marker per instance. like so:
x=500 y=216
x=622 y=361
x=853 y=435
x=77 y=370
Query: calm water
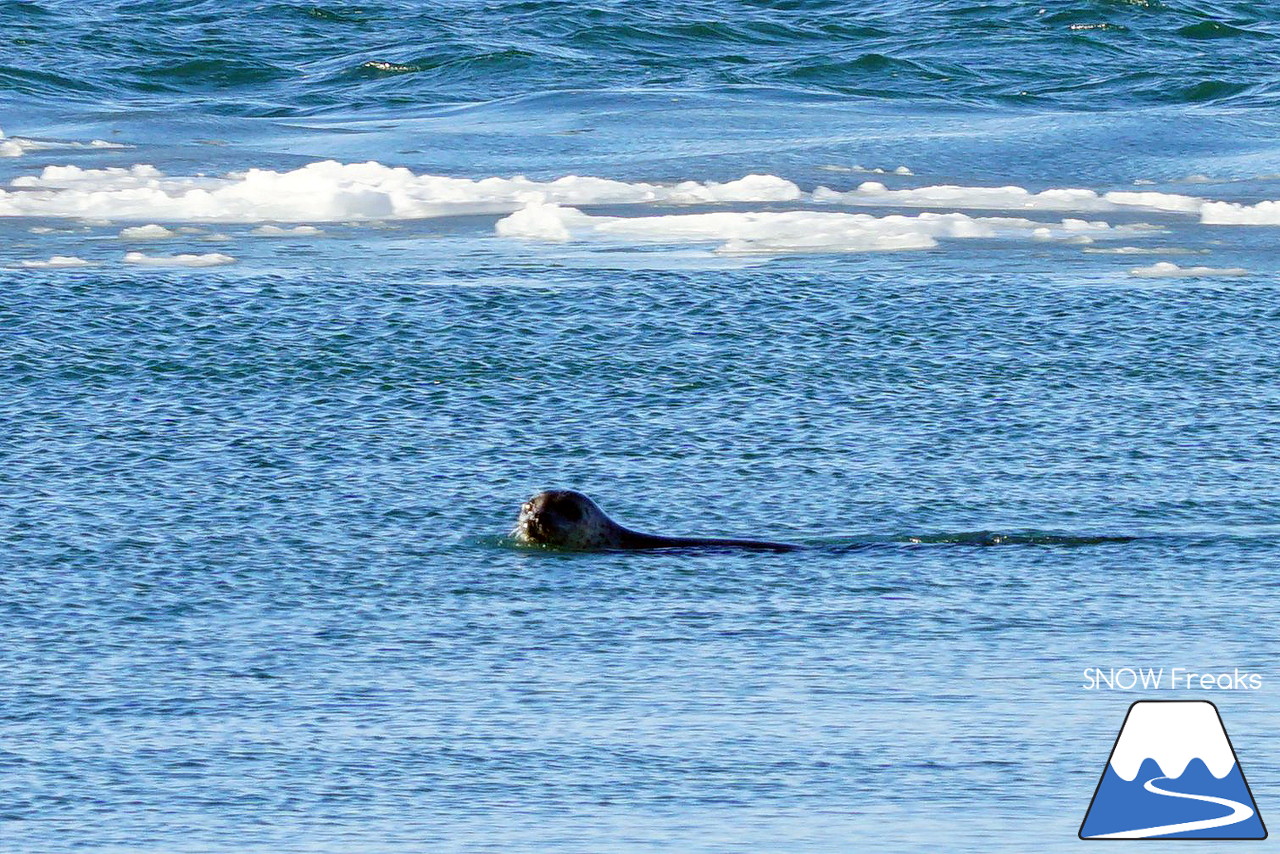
x=260 y=456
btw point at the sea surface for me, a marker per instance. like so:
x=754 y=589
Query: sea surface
x=978 y=302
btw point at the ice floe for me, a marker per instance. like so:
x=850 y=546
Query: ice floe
x=1230 y=213
x=211 y=259
x=1010 y=198
x=835 y=167
x=1167 y=269
x=328 y=191
x=17 y=146
x=785 y=231
x=279 y=231
x=1145 y=250
x=147 y=232
x=55 y=261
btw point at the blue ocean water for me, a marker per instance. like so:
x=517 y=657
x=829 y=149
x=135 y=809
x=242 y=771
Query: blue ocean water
x=260 y=456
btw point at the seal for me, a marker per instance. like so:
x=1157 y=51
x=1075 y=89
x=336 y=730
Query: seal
x=570 y=520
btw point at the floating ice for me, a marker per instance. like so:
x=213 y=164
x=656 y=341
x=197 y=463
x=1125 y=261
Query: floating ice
x=1229 y=213
x=56 y=261
x=1146 y=250
x=1011 y=198
x=329 y=191
x=212 y=259
x=833 y=167
x=1171 y=202
x=539 y=221
x=1167 y=269
x=147 y=232
x=986 y=198
x=784 y=231
x=17 y=146
x=277 y=231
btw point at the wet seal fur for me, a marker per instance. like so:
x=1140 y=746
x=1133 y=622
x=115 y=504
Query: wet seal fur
x=570 y=520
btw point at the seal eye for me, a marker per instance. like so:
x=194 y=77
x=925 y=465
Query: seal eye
x=570 y=511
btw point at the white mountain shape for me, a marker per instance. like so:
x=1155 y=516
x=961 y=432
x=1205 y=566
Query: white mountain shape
x=1172 y=733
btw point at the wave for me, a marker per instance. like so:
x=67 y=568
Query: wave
x=981 y=539
x=290 y=58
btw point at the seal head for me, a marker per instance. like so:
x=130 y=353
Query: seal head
x=567 y=519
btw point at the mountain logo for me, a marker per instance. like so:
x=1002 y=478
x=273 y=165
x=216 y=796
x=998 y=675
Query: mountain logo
x=1173 y=774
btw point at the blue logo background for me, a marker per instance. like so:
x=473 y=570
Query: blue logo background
x=1194 y=804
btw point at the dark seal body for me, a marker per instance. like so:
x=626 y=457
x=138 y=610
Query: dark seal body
x=570 y=520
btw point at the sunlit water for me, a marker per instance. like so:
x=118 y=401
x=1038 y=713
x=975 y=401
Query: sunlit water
x=256 y=594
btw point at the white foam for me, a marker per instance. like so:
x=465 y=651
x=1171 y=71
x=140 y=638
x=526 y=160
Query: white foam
x=329 y=191
x=784 y=231
x=147 y=232
x=1167 y=269
x=211 y=259
x=56 y=261
x=1172 y=733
